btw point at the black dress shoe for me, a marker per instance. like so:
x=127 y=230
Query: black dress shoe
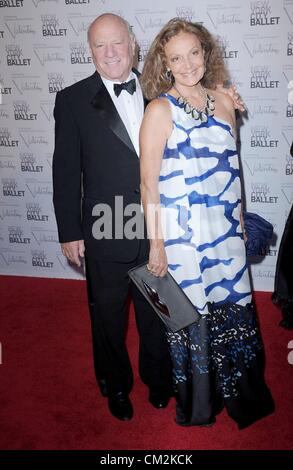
x=120 y=406
x=103 y=387
x=159 y=398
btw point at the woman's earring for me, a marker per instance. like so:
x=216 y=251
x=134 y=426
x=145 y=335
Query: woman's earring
x=169 y=75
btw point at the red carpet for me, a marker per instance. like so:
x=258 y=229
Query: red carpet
x=48 y=396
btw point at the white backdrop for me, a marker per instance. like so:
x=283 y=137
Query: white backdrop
x=43 y=48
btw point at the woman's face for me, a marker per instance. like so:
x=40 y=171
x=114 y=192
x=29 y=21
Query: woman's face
x=185 y=58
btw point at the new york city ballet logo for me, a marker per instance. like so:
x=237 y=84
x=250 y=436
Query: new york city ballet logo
x=22 y=111
x=11 y=3
x=261 y=14
x=5 y=138
x=186 y=13
x=261 y=78
x=39 y=259
x=4 y=90
x=15 y=56
x=261 y=137
x=289 y=165
x=15 y=235
x=76 y=2
x=143 y=48
x=34 y=212
x=261 y=193
x=290 y=44
x=227 y=52
x=50 y=26
x=10 y=188
x=289 y=110
x=79 y=54
x=55 y=82
x=28 y=163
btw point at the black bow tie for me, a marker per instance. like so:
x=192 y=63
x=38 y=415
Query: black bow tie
x=128 y=86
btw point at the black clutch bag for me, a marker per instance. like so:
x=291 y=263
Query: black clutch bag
x=259 y=233
x=165 y=296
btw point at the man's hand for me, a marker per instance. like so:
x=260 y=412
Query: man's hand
x=234 y=95
x=73 y=251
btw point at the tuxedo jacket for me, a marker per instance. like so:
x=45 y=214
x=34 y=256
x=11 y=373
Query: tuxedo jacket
x=94 y=161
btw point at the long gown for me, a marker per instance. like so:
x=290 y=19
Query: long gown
x=218 y=361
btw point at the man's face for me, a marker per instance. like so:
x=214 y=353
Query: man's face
x=112 y=48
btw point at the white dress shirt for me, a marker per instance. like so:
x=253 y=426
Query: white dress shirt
x=130 y=108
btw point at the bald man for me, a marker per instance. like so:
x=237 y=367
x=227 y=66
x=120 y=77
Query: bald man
x=96 y=177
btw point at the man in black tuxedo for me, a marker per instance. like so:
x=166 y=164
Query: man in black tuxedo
x=96 y=173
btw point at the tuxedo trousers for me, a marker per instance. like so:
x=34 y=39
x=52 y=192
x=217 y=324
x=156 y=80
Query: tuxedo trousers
x=110 y=292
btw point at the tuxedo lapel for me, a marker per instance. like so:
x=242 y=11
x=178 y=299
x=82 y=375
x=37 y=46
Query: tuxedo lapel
x=105 y=107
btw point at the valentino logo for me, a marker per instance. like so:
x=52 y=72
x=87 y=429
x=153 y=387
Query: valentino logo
x=9 y=186
x=24 y=84
x=39 y=258
x=79 y=54
x=28 y=164
x=260 y=137
x=55 y=82
x=15 y=56
x=10 y=212
x=21 y=111
x=39 y=188
x=34 y=212
x=44 y=236
x=16 y=27
x=261 y=14
x=3 y=114
x=260 y=78
x=50 y=26
x=16 y=236
x=9 y=257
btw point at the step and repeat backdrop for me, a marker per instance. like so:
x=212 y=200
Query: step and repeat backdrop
x=43 y=48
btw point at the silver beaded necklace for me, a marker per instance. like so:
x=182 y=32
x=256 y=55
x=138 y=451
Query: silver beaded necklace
x=198 y=113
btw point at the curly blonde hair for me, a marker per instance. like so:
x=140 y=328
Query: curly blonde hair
x=153 y=79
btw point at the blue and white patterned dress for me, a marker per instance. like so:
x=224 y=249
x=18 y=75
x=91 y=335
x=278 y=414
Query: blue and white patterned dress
x=219 y=361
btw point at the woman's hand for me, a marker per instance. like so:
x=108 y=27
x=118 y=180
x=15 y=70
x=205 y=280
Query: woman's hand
x=234 y=95
x=158 y=264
